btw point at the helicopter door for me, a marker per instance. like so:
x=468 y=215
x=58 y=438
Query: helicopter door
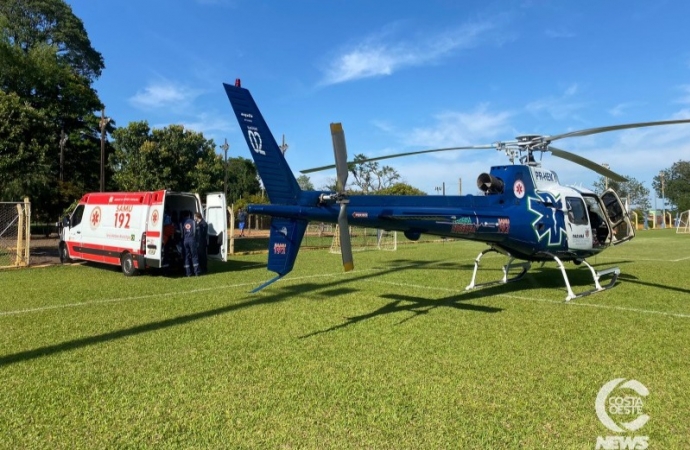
x=618 y=217
x=577 y=224
x=216 y=218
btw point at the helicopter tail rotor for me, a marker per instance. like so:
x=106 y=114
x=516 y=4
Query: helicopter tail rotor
x=340 y=154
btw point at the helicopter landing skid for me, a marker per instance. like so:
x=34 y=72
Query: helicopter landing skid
x=613 y=272
x=524 y=265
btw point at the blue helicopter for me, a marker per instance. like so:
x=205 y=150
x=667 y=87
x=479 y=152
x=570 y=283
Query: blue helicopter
x=524 y=212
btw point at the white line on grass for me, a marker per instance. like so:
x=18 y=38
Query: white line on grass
x=327 y=275
x=162 y=294
x=112 y=300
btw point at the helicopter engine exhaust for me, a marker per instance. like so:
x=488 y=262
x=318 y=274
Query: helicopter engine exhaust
x=489 y=184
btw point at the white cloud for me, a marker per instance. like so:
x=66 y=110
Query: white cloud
x=211 y=125
x=478 y=127
x=376 y=57
x=164 y=94
x=559 y=108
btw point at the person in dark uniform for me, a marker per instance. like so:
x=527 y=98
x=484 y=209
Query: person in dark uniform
x=202 y=241
x=168 y=234
x=241 y=218
x=189 y=243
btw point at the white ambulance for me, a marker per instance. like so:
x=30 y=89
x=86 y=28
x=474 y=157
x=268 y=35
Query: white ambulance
x=127 y=228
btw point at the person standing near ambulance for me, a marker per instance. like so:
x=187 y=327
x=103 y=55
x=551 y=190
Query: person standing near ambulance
x=189 y=245
x=202 y=241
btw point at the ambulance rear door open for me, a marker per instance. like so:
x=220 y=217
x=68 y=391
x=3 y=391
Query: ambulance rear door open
x=216 y=218
x=154 y=229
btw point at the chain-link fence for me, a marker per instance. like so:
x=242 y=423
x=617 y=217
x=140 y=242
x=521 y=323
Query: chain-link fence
x=15 y=233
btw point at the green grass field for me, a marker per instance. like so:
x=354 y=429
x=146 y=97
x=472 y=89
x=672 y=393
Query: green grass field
x=393 y=355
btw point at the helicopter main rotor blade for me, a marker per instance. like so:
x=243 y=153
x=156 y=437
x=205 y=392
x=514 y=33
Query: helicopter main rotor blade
x=598 y=168
x=626 y=126
x=399 y=155
x=340 y=154
x=345 y=244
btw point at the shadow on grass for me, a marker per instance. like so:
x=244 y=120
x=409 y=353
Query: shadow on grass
x=634 y=279
x=285 y=293
x=251 y=244
x=177 y=271
x=281 y=294
x=401 y=303
x=415 y=305
x=233 y=265
x=426 y=265
x=542 y=277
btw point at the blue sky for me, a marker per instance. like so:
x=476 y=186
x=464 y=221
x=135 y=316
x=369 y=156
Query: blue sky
x=407 y=75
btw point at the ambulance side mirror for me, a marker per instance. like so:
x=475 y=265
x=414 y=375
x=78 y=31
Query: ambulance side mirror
x=65 y=221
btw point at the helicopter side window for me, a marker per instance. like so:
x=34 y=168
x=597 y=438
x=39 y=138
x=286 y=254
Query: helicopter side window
x=577 y=213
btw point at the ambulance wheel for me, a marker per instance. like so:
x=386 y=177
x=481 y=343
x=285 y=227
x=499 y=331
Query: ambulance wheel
x=127 y=263
x=64 y=253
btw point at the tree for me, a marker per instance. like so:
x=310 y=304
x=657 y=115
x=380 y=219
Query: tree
x=330 y=185
x=47 y=61
x=401 y=189
x=243 y=179
x=676 y=189
x=168 y=158
x=637 y=194
x=176 y=159
x=369 y=176
x=305 y=183
x=31 y=23
x=22 y=148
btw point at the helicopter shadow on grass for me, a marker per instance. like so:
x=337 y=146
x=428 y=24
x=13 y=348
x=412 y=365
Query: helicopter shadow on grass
x=633 y=279
x=400 y=303
x=416 y=306
x=540 y=277
x=278 y=294
x=233 y=265
x=414 y=264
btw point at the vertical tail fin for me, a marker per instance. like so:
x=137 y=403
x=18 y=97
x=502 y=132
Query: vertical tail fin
x=281 y=185
x=286 y=238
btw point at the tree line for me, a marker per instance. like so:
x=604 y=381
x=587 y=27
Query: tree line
x=51 y=129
